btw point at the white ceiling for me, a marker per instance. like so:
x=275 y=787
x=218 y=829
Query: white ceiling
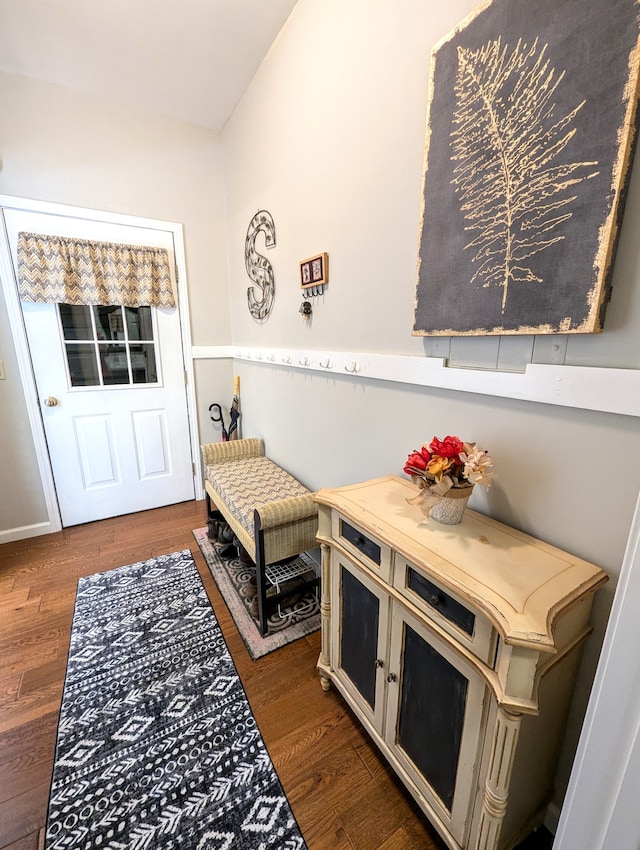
x=188 y=59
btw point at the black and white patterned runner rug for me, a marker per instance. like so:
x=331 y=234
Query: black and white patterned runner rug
x=157 y=746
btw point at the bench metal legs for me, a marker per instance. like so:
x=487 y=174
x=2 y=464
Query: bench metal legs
x=261 y=579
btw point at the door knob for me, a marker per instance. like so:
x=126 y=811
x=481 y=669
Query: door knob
x=51 y=401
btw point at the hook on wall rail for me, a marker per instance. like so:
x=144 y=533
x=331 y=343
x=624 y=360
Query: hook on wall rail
x=304 y=362
x=326 y=365
x=353 y=370
x=286 y=360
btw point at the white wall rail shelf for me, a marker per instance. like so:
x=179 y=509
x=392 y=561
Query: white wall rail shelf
x=587 y=387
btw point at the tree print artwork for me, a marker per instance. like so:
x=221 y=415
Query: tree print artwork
x=531 y=125
x=505 y=144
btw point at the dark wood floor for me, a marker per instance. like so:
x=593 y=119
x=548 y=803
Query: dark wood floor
x=342 y=793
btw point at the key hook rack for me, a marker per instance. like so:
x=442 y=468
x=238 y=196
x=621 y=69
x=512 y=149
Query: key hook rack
x=314 y=275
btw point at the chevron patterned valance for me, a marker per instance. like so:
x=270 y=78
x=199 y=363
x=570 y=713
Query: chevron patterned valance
x=59 y=270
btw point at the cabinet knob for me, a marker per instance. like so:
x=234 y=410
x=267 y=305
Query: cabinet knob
x=379 y=662
x=392 y=677
x=434 y=600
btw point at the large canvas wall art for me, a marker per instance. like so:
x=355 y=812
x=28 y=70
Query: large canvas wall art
x=530 y=133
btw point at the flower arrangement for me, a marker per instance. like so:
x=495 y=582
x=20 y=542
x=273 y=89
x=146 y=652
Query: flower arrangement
x=450 y=463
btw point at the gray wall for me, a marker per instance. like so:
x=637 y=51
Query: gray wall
x=341 y=106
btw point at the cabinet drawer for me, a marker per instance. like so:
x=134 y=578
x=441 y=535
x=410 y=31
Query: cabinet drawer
x=455 y=616
x=442 y=602
x=371 y=552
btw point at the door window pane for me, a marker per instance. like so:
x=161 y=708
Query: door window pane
x=76 y=322
x=139 y=324
x=115 y=367
x=143 y=364
x=109 y=323
x=83 y=365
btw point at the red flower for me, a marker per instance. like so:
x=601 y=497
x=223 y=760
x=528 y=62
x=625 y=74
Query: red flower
x=449 y=447
x=417 y=461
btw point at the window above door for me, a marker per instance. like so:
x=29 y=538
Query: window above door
x=109 y=345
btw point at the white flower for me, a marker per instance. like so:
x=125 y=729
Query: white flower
x=478 y=466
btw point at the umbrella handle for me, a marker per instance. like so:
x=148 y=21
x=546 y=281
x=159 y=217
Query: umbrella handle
x=219 y=418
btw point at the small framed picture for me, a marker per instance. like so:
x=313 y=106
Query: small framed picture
x=314 y=271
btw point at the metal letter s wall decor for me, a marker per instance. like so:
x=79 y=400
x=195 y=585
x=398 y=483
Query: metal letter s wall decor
x=258 y=267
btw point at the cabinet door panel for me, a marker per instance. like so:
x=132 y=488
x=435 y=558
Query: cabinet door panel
x=431 y=715
x=435 y=716
x=359 y=635
x=360 y=618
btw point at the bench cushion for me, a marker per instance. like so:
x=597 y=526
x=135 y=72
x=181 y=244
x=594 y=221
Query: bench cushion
x=244 y=484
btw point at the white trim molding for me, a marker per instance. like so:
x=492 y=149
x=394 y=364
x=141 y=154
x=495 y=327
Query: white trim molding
x=212 y=352
x=587 y=387
x=23 y=531
x=14 y=313
x=601 y=809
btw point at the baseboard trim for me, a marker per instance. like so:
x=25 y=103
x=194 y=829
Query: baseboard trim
x=25 y=531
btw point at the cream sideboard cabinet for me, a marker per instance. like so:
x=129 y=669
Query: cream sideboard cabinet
x=457 y=648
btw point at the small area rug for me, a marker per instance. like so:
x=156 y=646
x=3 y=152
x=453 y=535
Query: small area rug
x=299 y=615
x=157 y=745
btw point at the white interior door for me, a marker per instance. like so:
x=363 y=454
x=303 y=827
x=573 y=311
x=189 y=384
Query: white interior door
x=111 y=385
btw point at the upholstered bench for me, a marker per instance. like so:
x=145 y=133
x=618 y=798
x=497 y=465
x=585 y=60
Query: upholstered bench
x=271 y=513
